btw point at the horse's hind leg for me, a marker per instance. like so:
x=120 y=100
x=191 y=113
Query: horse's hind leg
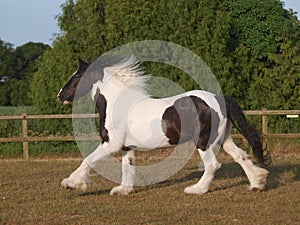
x=128 y=174
x=256 y=175
x=211 y=166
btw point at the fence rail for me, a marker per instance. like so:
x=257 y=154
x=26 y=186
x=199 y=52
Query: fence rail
x=25 y=139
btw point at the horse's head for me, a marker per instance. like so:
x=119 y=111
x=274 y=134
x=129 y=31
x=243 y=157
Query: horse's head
x=87 y=74
x=75 y=85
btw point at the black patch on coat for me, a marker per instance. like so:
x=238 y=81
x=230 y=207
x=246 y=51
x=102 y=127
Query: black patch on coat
x=101 y=105
x=190 y=118
x=128 y=148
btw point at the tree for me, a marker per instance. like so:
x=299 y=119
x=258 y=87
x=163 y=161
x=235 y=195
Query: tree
x=278 y=84
x=91 y=28
x=17 y=68
x=259 y=30
x=6 y=68
x=238 y=39
x=259 y=25
x=81 y=24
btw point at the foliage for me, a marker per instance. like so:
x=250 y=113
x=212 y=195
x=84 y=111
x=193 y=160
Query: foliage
x=251 y=46
x=264 y=54
x=16 y=71
x=259 y=25
x=94 y=27
x=280 y=83
x=10 y=128
x=242 y=42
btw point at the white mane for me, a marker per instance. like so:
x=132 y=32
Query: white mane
x=129 y=72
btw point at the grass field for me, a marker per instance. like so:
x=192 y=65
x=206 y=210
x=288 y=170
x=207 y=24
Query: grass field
x=30 y=193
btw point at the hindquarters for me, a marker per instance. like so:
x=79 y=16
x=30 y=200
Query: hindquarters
x=190 y=118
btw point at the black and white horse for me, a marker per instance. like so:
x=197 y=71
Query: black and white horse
x=144 y=122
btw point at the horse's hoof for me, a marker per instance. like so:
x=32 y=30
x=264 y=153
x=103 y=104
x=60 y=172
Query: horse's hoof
x=255 y=189
x=121 y=190
x=258 y=184
x=75 y=184
x=195 y=190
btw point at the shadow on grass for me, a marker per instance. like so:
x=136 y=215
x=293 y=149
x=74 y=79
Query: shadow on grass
x=98 y=192
x=280 y=175
x=227 y=171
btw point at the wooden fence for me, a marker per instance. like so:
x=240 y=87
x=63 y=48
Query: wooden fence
x=25 y=139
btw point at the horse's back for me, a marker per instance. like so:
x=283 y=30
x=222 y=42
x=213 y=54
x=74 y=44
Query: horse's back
x=146 y=117
x=211 y=99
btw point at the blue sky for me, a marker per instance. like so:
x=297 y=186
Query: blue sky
x=22 y=21
x=293 y=4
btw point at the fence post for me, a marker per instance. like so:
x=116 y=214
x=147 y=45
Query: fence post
x=24 y=137
x=265 y=128
x=264 y=123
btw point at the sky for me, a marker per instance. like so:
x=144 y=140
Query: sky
x=293 y=4
x=22 y=21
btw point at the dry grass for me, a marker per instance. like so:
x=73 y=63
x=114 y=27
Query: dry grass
x=30 y=194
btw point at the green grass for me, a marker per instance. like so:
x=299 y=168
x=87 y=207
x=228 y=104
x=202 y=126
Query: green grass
x=30 y=194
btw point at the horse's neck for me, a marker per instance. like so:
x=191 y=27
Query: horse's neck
x=115 y=90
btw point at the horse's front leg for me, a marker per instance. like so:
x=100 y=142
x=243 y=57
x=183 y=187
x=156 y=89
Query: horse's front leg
x=128 y=174
x=79 y=179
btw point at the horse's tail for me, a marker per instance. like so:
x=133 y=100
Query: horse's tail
x=252 y=135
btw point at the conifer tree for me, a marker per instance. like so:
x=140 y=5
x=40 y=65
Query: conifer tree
x=243 y=42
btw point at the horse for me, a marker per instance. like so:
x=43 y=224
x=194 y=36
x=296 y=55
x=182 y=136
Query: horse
x=142 y=121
